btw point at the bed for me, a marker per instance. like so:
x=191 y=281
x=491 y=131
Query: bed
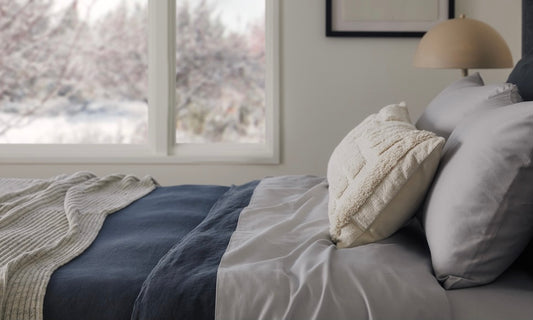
x=261 y=250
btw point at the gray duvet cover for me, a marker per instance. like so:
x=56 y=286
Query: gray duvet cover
x=281 y=264
x=299 y=274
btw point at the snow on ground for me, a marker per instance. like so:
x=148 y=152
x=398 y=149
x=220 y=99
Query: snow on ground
x=97 y=122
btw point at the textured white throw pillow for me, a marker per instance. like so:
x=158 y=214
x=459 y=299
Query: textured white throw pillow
x=378 y=175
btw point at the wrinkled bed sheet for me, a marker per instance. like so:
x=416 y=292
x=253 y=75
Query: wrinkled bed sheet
x=281 y=264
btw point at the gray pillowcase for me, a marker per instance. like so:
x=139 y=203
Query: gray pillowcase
x=463 y=98
x=478 y=215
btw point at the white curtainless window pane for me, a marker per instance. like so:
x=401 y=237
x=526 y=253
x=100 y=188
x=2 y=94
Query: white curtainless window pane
x=73 y=71
x=220 y=71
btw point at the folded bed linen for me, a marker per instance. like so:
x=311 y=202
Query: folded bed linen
x=105 y=280
x=281 y=264
x=183 y=284
x=300 y=274
x=259 y=251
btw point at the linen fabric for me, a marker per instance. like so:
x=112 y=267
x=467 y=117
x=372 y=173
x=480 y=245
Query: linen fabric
x=46 y=223
x=127 y=248
x=477 y=215
x=463 y=98
x=281 y=264
x=183 y=283
x=508 y=297
x=378 y=176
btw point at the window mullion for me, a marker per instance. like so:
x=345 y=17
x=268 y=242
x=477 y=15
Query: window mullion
x=272 y=20
x=161 y=74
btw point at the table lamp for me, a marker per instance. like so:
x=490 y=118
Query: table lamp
x=462 y=43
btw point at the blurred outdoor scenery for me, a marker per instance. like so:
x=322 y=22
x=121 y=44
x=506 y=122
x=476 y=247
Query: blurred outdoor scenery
x=76 y=71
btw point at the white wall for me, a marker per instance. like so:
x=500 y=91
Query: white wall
x=328 y=86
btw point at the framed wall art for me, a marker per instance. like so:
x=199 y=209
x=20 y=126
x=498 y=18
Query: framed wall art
x=385 y=18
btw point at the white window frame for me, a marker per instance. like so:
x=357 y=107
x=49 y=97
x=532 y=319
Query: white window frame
x=161 y=146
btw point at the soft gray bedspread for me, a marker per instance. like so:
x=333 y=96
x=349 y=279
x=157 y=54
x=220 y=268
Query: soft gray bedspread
x=281 y=264
x=509 y=297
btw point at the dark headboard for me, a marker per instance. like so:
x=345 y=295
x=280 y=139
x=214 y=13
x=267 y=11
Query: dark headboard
x=527 y=26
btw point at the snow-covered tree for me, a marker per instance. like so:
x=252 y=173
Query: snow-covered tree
x=54 y=60
x=219 y=76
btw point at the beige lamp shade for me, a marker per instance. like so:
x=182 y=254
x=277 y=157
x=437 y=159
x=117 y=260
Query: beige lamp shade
x=463 y=43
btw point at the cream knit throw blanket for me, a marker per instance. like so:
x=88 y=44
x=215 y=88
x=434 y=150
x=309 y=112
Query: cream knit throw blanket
x=45 y=224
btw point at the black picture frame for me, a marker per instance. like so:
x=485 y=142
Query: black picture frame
x=331 y=32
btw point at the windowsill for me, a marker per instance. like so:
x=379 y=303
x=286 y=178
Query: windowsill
x=138 y=154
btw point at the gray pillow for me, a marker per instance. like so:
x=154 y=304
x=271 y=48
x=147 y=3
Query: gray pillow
x=463 y=98
x=478 y=215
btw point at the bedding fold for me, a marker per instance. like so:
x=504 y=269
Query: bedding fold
x=182 y=284
x=282 y=264
x=127 y=248
x=46 y=223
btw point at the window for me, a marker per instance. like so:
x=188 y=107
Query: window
x=220 y=71
x=138 y=80
x=73 y=72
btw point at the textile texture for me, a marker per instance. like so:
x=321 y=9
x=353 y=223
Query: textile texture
x=45 y=224
x=378 y=175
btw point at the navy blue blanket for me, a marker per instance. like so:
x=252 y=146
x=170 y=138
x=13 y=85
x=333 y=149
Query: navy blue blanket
x=183 y=284
x=105 y=280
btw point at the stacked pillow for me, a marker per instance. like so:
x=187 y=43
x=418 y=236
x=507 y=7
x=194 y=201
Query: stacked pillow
x=463 y=98
x=477 y=215
x=378 y=175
